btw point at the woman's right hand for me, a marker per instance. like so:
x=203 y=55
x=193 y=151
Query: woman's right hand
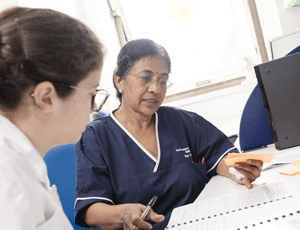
x=121 y=216
x=132 y=217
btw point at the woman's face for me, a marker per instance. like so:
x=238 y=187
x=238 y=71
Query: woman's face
x=75 y=110
x=139 y=95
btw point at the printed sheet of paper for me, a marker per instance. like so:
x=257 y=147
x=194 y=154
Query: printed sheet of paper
x=234 y=209
x=288 y=219
x=281 y=160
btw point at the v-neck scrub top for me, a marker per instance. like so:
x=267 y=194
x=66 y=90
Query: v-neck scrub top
x=114 y=168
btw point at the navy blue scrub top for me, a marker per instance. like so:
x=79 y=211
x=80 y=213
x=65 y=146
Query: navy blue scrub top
x=113 y=168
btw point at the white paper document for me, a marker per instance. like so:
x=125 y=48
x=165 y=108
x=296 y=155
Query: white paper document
x=288 y=220
x=229 y=211
x=281 y=160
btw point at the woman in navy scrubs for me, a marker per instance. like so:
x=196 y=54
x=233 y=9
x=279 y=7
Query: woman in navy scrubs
x=143 y=149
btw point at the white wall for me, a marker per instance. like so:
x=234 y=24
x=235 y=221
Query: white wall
x=277 y=20
x=224 y=108
x=96 y=14
x=7 y=4
x=289 y=18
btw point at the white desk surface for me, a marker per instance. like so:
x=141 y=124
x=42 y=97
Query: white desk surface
x=213 y=189
x=220 y=192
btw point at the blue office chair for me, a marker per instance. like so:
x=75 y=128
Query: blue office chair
x=60 y=161
x=255 y=130
x=98 y=114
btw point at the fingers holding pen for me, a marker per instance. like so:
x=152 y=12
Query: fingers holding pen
x=141 y=224
x=154 y=216
x=132 y=217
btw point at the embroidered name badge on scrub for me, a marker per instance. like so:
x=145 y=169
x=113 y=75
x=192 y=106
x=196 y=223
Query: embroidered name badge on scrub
x=186 y=152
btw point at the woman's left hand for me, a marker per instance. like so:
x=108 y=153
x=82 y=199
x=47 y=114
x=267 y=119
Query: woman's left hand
x=250 y=169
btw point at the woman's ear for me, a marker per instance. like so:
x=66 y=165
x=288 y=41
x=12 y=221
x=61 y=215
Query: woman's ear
x=44 y=96
x=118 y=82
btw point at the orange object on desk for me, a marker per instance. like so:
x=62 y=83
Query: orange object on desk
x=243 y=157
x=291 y=171
x=296 y=163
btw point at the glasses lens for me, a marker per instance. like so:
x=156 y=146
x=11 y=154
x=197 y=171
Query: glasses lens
x=164 y=84
x=99 y=100
x=144 y=80
x=169 y=85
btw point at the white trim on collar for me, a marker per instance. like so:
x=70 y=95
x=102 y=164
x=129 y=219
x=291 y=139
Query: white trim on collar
x=133 y=138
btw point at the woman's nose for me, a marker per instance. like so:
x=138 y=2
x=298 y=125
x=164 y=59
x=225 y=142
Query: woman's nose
x=154 y=86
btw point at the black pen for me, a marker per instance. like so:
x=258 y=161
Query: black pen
x=147 y=209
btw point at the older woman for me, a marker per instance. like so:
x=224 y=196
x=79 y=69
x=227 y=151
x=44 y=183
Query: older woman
x=50 y=66
x=143 y=149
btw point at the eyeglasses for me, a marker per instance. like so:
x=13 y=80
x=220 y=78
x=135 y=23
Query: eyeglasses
x=162 y=83
x=98 y=98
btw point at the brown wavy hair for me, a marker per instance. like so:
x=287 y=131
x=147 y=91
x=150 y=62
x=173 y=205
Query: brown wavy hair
x=43 y=45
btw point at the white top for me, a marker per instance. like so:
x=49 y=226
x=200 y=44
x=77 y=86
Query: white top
x=26 y=199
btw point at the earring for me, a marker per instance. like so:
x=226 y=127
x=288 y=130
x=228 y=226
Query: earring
x=120 y=91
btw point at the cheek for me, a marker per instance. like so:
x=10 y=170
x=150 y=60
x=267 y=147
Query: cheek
x=72 y=119
x=80 y=113
x=80 y=121
x=162 y=95
x=134 y=93
x=85 y=110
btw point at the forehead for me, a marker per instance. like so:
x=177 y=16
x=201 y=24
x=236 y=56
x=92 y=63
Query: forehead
x=152 y=63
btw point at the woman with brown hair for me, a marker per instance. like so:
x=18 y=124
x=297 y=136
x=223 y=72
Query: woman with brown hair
x=50 y=67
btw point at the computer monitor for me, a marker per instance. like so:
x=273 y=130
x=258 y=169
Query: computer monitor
x=279 y=84
x=282 y=45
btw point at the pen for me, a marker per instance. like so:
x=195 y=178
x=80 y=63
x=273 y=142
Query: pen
x=147 y=209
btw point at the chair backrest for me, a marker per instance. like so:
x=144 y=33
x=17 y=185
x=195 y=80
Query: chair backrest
x=255 y=130
x=296 y=50
x=254 y=127
x=60 y=161
x=97 y=114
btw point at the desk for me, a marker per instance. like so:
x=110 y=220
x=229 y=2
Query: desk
x=212 y=189
x=225 y=204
